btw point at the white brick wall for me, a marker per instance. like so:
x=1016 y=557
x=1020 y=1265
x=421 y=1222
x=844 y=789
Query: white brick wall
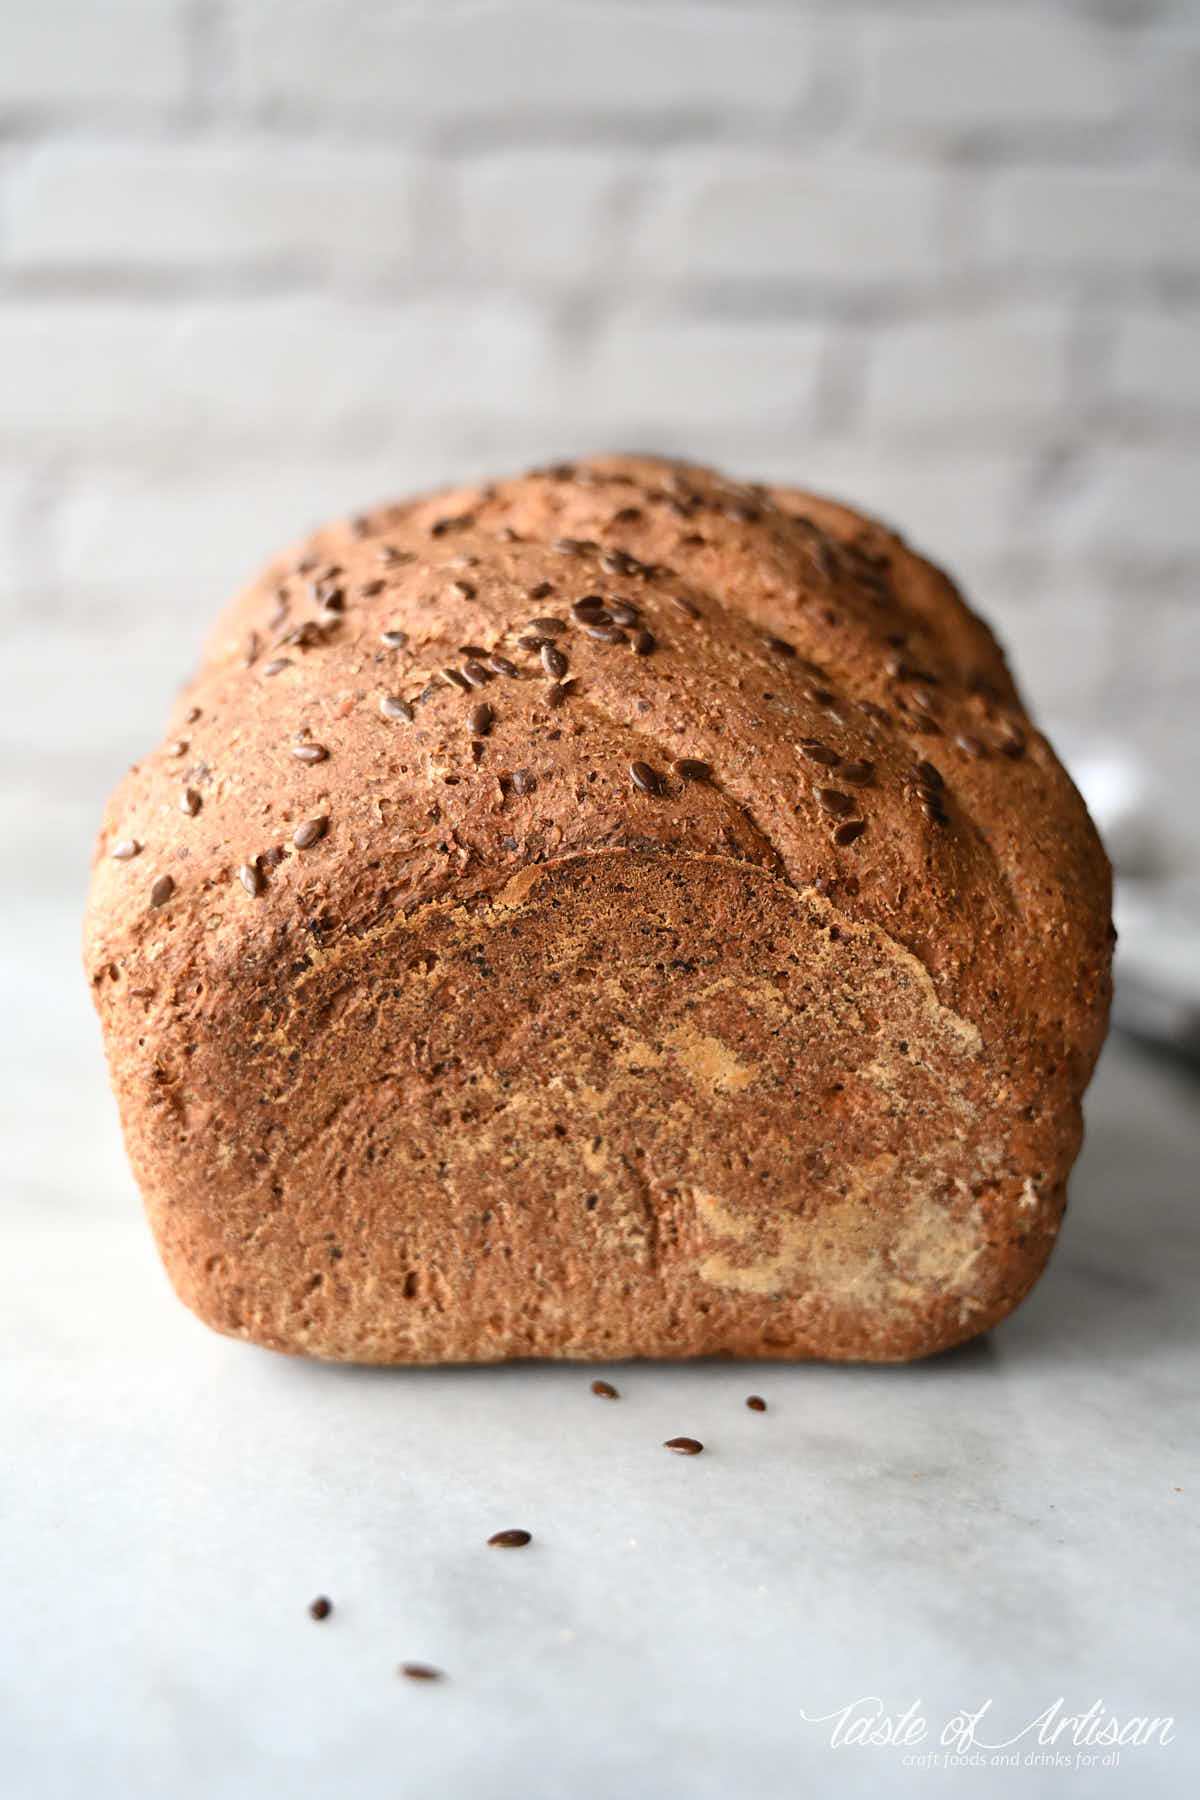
x=211 y=381
x=1143 y=505
x=246 y=208
x=14 y=499
x=1136 y=220
x=535 y=218
x=1156 y=364
x=1002 y=370
x=736 y=220
x=79 y=374
x=671 y=373
x=378 y=67
x=990 y=72
x=62 y=60
x=266 y=259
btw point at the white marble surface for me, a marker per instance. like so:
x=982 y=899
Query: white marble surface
x=1014 y=1523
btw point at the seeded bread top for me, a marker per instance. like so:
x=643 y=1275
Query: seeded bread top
x=624 y=653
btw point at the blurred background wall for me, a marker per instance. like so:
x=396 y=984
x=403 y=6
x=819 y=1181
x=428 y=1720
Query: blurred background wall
x=264 y=260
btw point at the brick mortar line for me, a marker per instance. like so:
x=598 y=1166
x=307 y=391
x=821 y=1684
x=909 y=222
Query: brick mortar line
x=880 y=303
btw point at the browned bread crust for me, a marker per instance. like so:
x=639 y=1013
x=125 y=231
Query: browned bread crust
x=721 y=973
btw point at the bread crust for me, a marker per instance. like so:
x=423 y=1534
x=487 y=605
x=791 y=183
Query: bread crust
x=730 y=993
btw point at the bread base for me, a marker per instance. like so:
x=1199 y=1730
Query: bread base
x=631 y=1104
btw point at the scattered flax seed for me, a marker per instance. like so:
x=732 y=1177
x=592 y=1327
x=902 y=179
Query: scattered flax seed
x=500 y=665
x=539 y=590
x=819 y=753
x=127 y=848
x=929 y=789
x=310 y=833
x=162 y=890
x=833 y=800
x=523 y=781
x=623 y=612
x=178 y=748
x=780 y=646
x=303 y=636
x=684 y=1446
x=368 y=589
x=513 y=1539
x=858 y=774
x=394 y=640
x=607 y=634
x=321 y=1607
x=686 y=606
x=690 y=768
x=394 y=706
x=826 y=557
x=479 y=719
x=568 y=546
x=969 y=745
x=189 y=802
x=457 y=679
x=465 y=588
x=557 y=693
x=476 y=673
x=548 y=627
x=554 y=662
x=276 y=664
x=309 y=753
x=645 y=778
x=531 y=641
x=251 y=879
x=848 y=830
x=756 y=1403
x=643 y=643
x=606 y=1390
x=414 y=1671
x=476 y=652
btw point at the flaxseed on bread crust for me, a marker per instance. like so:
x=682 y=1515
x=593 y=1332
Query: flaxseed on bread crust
x=611 y=912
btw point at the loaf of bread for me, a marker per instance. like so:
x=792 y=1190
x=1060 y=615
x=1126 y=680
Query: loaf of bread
x=611 y=912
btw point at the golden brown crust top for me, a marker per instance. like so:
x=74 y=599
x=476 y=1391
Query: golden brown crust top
x=386 y=718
